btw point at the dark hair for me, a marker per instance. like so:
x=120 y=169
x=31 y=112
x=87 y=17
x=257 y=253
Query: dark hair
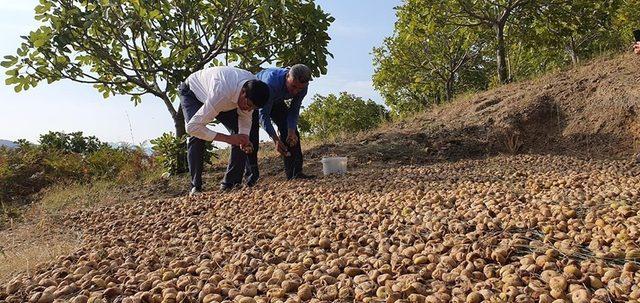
x=301 y=73
x=257 y=91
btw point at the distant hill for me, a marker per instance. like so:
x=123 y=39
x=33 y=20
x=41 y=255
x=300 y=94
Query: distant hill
x=8 y=143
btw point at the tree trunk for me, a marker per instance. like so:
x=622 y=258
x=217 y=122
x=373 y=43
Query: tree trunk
x=179 y=124
x=448 y=90
x=574 y=58
x=501 y=55
x=571 y=49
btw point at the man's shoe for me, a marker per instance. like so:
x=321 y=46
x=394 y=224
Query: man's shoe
x=251 y=183
x=226 y=187
x=194 y=192
x=303 y=176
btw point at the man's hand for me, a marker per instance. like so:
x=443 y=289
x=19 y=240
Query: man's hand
x=236 y=140
x=281 y=148
x=292 y=138
x=247 y=149
x=636 y=48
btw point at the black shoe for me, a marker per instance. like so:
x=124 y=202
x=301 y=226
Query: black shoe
x=194 y=192
x=302 y=176
x=251 y=183
x=226 y=187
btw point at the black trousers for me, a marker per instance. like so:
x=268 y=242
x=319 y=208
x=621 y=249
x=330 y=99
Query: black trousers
x=293 y=163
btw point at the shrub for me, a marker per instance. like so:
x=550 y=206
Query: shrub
x=331 y=115
x=29 y=168
x=71 y=143
x=171 y=153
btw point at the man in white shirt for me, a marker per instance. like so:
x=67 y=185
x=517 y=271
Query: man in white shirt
x=229 y=95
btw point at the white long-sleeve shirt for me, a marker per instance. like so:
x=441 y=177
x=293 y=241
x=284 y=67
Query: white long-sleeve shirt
x=218 y=88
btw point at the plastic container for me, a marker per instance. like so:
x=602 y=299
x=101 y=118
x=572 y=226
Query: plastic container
x=334 y=165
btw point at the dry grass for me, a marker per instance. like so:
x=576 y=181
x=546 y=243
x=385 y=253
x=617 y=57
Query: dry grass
x=38 y=236
x=26 y=246
x=512 y=142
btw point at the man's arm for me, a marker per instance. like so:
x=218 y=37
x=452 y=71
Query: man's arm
x=265 y=115
x=244 y=121
x=265 y=121
x=197 y=125
x=294 y=110
x=265 y=118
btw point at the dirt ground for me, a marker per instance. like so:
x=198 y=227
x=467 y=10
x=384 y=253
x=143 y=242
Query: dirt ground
x=590 y=111
x=405 y=231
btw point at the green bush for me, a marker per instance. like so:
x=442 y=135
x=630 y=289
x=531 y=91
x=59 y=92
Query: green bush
x=59 y=166
x=171 y=153
x=331 y=115
x=71 y=143
x=21 y=171
x=122 y=164
x=29 y=168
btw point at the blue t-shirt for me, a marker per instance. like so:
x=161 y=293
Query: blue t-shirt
x=275 y=78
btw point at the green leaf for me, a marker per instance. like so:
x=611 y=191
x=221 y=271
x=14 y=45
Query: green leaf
x=154 y=14
x=10 y=61
x=11 y=80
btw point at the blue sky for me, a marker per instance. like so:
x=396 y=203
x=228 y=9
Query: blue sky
x=66 y=106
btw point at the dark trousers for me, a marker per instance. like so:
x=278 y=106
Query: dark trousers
x=293 y=163
x=196 y=147
x=251 y=173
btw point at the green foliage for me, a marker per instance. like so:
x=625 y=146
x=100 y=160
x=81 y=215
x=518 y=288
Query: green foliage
x=30 y=168
x=491 y=19
x=71 y=143
x=421 y=64
x=625 y=21
x=21 y=171
x=346 y=113
x=169 y=152
x=148 y=47
x=123 y=164
x=440 y=48
x=579 y=28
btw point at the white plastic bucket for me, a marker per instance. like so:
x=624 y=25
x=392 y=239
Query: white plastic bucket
x=334 y=165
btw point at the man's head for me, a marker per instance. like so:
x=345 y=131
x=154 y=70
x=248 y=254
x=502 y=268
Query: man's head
x=298 y=78
x=254 y=94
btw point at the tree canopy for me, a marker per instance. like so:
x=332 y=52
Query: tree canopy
x=443 y=47
x=140 y=47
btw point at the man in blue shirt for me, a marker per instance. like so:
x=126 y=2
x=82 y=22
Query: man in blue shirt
x=284 y=84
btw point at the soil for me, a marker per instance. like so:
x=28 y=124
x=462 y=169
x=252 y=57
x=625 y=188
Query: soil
x=591 y=111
